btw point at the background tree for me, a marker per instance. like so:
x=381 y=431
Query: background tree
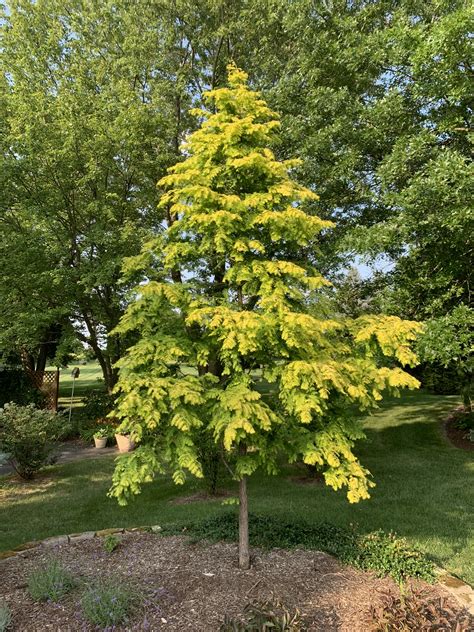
x=426 y=178
x=239 y=318
x=374 y=98
x=426 y=183
x=94 y=98
x=449 y=341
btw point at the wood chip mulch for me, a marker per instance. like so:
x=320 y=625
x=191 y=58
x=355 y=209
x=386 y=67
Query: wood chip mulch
x=186 y=586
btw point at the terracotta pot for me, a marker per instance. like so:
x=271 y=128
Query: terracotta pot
x=124 y=443
x=100 y=442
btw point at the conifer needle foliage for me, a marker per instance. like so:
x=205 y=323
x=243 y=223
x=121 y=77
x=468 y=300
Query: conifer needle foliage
x=224 y=313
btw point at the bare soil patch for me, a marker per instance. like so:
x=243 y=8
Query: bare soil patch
x=188 y=586
x=307 y=480
x=306 y=475
x=201 y=496
x=457 y=436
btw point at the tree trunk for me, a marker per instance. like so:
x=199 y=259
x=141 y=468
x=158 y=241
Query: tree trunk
x=466 y=398
x=244 y=553
x=42 y=357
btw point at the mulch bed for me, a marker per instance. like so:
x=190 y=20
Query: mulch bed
x=186 y=586
x=457 y=436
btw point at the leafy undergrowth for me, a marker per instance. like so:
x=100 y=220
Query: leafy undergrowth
x=418 y=611
x=382 y=553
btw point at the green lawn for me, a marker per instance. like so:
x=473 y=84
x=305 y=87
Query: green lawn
x=90 y=378
x=424 y=491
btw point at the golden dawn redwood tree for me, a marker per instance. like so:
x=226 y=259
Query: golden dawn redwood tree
x=224 y=310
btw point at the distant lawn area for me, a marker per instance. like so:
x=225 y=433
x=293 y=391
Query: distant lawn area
x=90 y=378
x=424 y=491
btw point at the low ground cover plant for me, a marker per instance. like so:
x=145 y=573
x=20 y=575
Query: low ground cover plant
x=417 y=611
x=264 y=617
x=107 y=604
x=5 y=617
x=29 y=435
x=382 y=553
x=464 y=420
x=111 y=542
x=50 y=582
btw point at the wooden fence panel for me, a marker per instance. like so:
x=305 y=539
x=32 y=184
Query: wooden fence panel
x=48 y=383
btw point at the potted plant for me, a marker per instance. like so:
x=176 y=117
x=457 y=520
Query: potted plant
x=100 y=438
x=124 y=443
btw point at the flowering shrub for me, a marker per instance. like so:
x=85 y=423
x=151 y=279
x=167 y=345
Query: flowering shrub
x=107 y=604
x=28 y=435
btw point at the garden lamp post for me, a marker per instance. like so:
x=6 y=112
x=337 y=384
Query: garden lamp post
x=74 y=374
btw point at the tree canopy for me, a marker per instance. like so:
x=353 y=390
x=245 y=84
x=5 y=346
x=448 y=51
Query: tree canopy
x=227 y=313
x=374 y=98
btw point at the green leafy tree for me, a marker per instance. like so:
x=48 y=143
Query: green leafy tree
x=93 y=106
x=424 y=180
x=449 y=341
x=239 y=318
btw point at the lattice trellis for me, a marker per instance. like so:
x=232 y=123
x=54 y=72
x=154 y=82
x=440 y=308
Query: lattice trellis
x=48 y=383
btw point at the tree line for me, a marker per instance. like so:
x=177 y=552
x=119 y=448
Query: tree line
x=374 y=98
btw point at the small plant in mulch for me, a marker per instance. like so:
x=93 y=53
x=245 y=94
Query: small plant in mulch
x=50 y=582
x=111 y=542
x=5 y=617
x=266 y=616
x=108 y=604
x=418 y=611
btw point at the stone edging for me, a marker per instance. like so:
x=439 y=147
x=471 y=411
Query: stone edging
x=59 y=540
x=461 y=591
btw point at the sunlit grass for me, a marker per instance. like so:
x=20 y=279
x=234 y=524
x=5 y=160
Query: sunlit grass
x=90 y=378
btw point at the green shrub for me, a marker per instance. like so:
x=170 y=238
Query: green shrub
x=93 y=415
x=111 y=542
x=210 y=458
x=439 y=380
x=97 y=405
x=107 y=604
x=384 y=554
x=464 y=420
x=28 y=436
x=16 y=386
x=50 y=582
x=5 y=617
x=387 y=554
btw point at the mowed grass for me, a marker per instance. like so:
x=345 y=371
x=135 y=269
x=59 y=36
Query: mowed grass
x=424 y=491
x=90 y=379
